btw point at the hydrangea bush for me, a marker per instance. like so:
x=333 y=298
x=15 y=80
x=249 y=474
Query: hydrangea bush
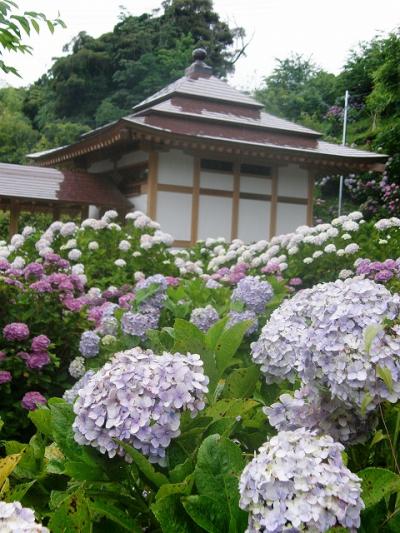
x=226 y=387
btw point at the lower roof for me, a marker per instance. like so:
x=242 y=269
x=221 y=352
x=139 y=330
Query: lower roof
x=63 y=186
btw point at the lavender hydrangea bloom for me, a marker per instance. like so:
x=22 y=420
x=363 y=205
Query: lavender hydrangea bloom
x=253 y=293
x=240 y=316
x=40 y=343
x=138 y=397
x=320 y=334
x=298 y=482
x=108 y=325
x=17 y=519
x=37 y=360
x=5 y=376
x=16 y=331
x=316 y=410
x=89 y=344
x=157 y=299
x=70 y=394
x=139 y=323
x=204 y=317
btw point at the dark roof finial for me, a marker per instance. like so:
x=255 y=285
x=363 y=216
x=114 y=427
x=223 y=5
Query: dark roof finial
x=199 y=54
x=198 y=67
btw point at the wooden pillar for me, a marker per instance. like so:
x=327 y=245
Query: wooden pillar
x=235 y=200
x=274 y=202
x=14 y=215
x=195 y=200
x=84 y=212
x=152 y=185
x=56 y=212
x=310 y=198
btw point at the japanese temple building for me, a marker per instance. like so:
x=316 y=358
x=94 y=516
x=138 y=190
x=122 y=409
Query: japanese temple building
x=205 y=160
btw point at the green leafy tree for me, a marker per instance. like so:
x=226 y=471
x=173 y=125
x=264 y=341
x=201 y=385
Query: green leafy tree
x=13 y=24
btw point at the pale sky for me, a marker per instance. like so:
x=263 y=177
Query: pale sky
x=323 y=30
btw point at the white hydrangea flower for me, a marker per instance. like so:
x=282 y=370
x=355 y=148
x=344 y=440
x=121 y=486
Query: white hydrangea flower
x=120 y=263
x=17 y=519
x=74 y=254
x=298 y=482
x=93 y=245
x=124 y=245
x=351 y=248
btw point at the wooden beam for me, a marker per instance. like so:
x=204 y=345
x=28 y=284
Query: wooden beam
x=152 y=185
x=195 y=199
x=14 y=216
x=310 y=202
x=56 y=212
x=235 y=200
x=274 y=203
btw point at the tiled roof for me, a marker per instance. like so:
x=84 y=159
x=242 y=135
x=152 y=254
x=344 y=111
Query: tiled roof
x=37 y=183
x=207 y=87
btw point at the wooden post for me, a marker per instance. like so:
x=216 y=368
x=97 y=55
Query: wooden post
x=235 y=200
x=14 y=215
x=310 y=198
x=84 y=212
x=56 y=212
x=195 y=199
x=274 y=202
x=152 y=185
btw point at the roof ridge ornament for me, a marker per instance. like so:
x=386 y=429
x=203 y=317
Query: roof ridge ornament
x=198 y=67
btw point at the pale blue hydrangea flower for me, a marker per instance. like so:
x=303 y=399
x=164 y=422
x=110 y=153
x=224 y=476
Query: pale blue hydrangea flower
x=157 y=299
x=70 y=394
x=17 y=519
x=89 y=344
x=320 y=334
x=317 y=410
x=138 y=398
x=240 y=316
x=253 y=293
x=298 y=482
x=139 y=323
x=204 y=317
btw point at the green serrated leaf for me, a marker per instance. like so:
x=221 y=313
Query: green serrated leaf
x=157 y=478
x=242 y=382
x=228 y=344
x=207 y=513
x=71 y=515
x=103 y=507
x=377 y=483
x=172 y=517
x=183 y=488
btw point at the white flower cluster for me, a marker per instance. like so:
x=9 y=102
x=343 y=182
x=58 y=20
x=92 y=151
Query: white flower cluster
x=298 y=482
x=17 y=519
x=137 y=398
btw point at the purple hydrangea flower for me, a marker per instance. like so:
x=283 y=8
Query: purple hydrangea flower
x=253 y=293
x=157 y=299
x=138 y=397
x=40 y=343
x=89 y=345
x=37 y=360
x=31 y=400
x=70 y=394
x=298 y=482
x=5 y=376
x=204 y=317
x=33 y=270
x=16 y=331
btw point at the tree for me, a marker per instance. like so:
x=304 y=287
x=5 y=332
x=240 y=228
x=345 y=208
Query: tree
x=297 y=87
x=12 y=26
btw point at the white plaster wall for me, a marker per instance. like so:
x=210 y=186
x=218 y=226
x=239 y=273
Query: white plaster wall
x=216 y=180
x=255 y=185
x=139 y=202
x=289 y=217
x=174 y=213
x=93 y=212
x=101 y=166
x=132 y=158
x=254 y=220
x=293 y=181
x=175 y=168
x=215 y=217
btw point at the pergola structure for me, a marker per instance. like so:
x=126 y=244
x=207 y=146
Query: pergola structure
x=33 y=189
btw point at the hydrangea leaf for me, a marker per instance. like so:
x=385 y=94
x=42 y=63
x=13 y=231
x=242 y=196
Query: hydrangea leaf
x=72 y=515
x=147 y=469
x=241 y=383
x=219 y=465
x=183 y=488
x=377 y=483
x=215 y=332
x=207 y=513
x=42 y=420
x=229 y=343
x=172 y=517
x=19 y=491
x=103 y=507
